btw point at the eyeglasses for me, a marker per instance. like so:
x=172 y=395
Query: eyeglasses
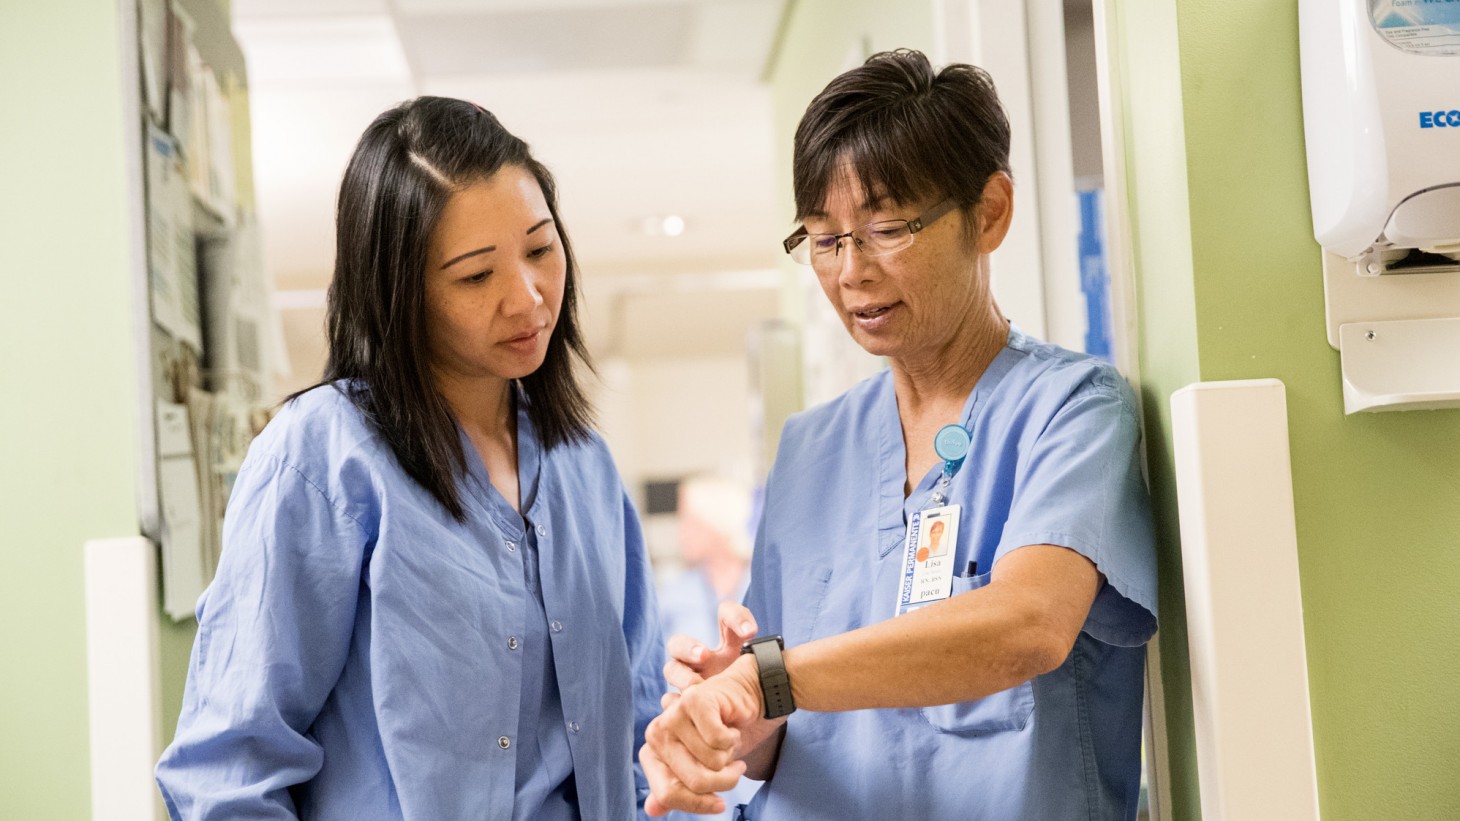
x=873 y=239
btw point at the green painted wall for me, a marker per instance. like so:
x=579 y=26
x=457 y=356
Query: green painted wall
x=1146 y=63
x=1377 y=496
x=68 y=424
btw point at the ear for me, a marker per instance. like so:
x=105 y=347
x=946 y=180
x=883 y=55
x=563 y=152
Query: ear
x=995 y=211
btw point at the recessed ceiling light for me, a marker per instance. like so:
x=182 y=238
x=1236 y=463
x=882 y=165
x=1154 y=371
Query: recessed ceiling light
x=671 y=225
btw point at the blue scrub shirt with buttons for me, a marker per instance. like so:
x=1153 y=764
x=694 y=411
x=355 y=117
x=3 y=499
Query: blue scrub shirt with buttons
x=361 y=654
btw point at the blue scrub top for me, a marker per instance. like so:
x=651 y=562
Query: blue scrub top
x=361 y=654
x=1055 y=459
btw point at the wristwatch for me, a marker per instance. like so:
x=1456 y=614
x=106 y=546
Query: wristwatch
x=775 y=685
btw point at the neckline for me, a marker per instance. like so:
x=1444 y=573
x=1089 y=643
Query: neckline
x=511 y=521
x=892 y=450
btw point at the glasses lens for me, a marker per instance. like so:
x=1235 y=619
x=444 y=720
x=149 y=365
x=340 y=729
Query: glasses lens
x=884 y=237
x=801 y=251
x=819 y=249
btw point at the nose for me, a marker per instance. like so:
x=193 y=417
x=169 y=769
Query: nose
x=853 y=267
x=524 y=291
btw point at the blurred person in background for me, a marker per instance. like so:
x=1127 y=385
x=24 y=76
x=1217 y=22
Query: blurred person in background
x=715 y=526
x=715 y=529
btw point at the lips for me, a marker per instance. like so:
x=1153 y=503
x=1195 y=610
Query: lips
x=872 y=317
x=871 y=310
x=525 y=342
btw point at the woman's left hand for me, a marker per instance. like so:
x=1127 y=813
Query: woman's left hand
x=693 y=749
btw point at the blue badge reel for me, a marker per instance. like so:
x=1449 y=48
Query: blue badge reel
x=951 y=444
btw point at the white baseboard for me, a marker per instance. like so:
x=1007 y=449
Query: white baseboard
x=123 y=667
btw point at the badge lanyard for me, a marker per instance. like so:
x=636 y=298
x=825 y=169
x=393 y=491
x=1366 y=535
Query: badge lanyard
x=932 y=535
x=951 y=444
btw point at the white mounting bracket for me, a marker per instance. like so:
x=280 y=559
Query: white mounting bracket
x=1398 y=337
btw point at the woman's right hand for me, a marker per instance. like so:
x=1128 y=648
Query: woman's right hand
x=691 y=662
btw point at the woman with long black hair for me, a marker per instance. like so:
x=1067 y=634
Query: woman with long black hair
x=433 y=600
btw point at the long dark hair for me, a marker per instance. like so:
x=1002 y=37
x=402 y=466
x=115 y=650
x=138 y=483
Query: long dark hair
x=408 y=164
x=908 y=131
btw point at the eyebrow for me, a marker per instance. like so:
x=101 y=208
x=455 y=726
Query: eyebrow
x=489 y=248
x=456 y=259
x=865 y=205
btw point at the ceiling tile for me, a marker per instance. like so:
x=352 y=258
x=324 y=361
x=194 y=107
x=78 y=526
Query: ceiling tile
x=347 y=49
x=538 y=41
x=419 y=7
x=735 y=34
x=246 y=9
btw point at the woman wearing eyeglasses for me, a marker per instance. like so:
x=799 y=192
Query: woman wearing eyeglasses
x=999 y=677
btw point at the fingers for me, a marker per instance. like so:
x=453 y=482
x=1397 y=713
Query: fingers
x=691 y=662
x=693 y=745
x=667 y=792
x=737 y=625
x=681 y=677
x=693 y=742
x=685 y=667
x=686 y=650
x=700 y=731
x=690 y=749
x=694 y=776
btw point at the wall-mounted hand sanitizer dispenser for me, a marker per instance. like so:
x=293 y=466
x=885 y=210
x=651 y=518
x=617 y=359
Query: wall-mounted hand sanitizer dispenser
x=1381 y=110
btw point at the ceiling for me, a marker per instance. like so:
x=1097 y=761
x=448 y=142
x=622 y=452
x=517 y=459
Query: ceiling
x=642 y=110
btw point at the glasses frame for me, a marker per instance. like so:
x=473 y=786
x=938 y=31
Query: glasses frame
x=914 y=225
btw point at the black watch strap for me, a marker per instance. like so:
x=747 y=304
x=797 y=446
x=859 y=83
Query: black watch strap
x=775 y=684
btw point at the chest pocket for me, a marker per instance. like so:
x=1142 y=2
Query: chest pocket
x=1006 y=710
x=803 y=610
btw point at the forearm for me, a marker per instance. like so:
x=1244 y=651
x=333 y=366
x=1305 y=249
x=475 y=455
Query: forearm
x=963 y=648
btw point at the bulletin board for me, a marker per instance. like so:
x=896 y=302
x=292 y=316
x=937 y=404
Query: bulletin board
x=210 y=335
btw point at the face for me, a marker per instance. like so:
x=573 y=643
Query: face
x=913 y=302
x=495 y=274
x=698 y=539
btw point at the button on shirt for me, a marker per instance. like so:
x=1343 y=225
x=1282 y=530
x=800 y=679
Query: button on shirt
x=545 y=788
x=355 y=655
x=1054 y=459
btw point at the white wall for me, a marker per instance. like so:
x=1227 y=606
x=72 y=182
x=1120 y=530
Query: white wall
x=667 y=418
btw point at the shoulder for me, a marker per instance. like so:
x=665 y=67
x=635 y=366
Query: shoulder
x=1046 y=380
x=323 y=440
x=583 y=469
x=589 y=452
x=850 y=412
x=314 y=430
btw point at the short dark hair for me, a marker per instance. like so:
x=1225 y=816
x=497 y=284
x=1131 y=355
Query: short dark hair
x=407 y=165
x=909 y=132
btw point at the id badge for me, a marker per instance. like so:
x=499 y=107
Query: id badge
x=928 y=557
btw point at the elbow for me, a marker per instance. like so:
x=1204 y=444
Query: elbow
x=1049 y=654
x=1045 y=647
